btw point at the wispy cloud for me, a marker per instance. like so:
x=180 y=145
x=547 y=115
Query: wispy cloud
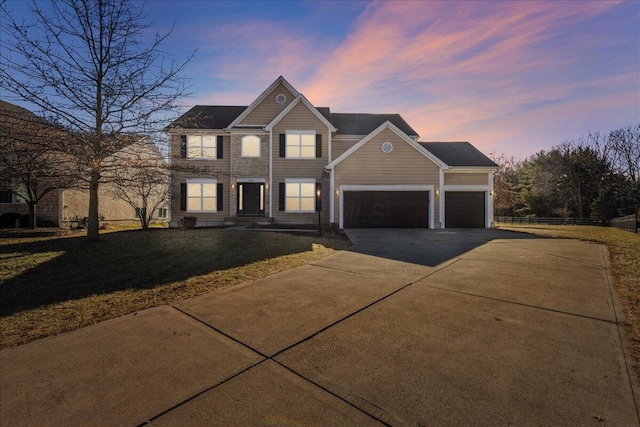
x=475 y=67
x=508 y=76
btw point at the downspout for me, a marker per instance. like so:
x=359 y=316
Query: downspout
x=270 y=173
x=332 y=199
x=441 y=199
x=490 y=194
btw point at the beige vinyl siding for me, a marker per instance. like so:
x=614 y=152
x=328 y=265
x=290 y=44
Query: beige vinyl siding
x=299 y=118
x=480 y=178
x=370 y=166
x=112 y=208
x=340 y=144
x=268 y=109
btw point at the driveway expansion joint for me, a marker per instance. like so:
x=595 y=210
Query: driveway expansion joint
x=189 y=399
x=552 y=255
x=613 y=322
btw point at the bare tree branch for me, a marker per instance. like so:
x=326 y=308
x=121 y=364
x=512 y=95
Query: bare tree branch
x=84 y=65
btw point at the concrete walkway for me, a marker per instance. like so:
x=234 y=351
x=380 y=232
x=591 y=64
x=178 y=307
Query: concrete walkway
x=408 y=327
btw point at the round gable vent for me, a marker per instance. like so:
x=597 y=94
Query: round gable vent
x=280 y=98
x=387 y=147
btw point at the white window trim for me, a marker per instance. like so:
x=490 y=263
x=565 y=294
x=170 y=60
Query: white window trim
x=200 y=157
x=300 y=181
x=242 y=147
x=203 y=181
x=299 y=132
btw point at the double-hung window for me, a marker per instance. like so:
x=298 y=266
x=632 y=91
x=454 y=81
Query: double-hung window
x=202 y=195
x=201 y=147
x=300 y=195
x=301 y=144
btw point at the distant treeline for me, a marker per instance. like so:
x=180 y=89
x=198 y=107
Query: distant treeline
x=597 y=176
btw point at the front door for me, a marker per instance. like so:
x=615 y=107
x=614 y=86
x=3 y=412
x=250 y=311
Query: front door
x=250 y=199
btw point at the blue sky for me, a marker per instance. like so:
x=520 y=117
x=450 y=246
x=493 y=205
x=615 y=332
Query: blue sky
x=510 y=77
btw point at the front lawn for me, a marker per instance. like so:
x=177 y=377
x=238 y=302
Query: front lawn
x=55 y=284
x=624 y=255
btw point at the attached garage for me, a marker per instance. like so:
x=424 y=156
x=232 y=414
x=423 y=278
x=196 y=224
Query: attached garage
x=464 y=209
x=386 y=209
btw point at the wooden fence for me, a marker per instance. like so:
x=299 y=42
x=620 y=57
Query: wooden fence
x=549 y=221
x=629 y=223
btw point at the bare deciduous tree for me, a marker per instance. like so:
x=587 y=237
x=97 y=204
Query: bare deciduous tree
x=624 y=151
x=84 y=64
x=506 y=200
x=144 y=182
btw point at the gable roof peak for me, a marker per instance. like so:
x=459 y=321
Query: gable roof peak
x=395 y=129
x=263 y=95
x=301 y=98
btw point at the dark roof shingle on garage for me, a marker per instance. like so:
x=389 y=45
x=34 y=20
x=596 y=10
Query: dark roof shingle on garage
x=458 y=154
x=364 y=123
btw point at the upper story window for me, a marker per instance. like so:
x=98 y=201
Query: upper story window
x=250 y=146
x=201 y=147
x=301 y=144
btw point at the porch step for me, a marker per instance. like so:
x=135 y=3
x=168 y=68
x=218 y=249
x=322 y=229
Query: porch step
x=248 y=221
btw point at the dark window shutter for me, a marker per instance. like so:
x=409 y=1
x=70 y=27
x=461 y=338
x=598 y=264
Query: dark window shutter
x=283 y=145
x=183 y=196
x=282 y=195
x=220 y=198
x=219 y=146
x=183 y=146
x=318 y=145
x=318 y=196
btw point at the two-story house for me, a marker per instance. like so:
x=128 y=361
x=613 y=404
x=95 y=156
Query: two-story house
x=283 y=160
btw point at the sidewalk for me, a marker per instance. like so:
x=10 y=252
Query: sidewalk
x=512 y=331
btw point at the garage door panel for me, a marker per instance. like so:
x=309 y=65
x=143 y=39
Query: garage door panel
x=386 y=209
x=465 y=209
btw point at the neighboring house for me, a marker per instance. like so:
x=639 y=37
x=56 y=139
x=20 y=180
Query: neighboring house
x=68 y=207
x=285 y=161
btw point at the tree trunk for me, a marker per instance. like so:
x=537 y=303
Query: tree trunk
x=93 y=224
x=32 y=215
x=144 y=220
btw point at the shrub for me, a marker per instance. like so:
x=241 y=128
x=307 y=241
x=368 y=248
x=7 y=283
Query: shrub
x=188 y=222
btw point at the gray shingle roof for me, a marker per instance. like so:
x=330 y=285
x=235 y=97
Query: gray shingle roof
x=326 y=113
x=208 y=117
x=364 y=124
x=458 y=154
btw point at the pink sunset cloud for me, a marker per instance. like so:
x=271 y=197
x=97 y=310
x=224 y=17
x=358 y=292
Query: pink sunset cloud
x=466 y=70
x=512 y=77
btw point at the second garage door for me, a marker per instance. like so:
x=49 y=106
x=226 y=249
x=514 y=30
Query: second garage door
x=464 y=209
x=386 y=209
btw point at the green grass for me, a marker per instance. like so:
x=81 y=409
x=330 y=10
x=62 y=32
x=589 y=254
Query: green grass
x=54 y=284
x=624 y=255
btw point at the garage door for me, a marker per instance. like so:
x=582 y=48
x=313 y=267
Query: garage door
x=464 y=209
x=386 y=209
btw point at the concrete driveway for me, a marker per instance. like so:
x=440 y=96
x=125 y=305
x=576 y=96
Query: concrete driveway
x=408 y=327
